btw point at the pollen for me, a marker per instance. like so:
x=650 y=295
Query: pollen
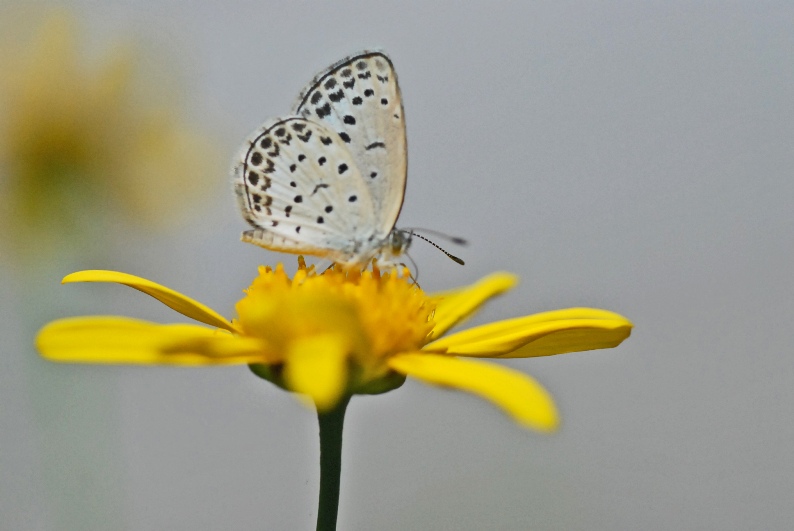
x=373 y=314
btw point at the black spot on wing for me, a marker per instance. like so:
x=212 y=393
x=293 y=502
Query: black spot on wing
x=336 y=96
x=323 y=111
x=375 y=145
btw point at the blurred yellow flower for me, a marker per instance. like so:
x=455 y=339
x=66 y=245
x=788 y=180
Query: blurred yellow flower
x=341 y=333
x=81 y=144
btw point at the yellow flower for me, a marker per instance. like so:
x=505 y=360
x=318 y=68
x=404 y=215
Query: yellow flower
x=79 y=140
x=340 y=333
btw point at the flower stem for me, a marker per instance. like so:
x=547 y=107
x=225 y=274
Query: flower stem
x=331 y=423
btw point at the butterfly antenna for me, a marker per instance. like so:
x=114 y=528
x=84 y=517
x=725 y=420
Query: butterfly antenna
x=449 y=255
x=454 y=239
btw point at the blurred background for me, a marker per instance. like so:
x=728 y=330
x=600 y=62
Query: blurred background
x=629 y=156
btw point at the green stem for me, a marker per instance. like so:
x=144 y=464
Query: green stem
x=331 y=423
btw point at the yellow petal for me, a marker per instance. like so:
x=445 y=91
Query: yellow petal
x=175 y=300
x=454 y=306
x=317 y=366
x=542 y=334
x=518 y=395
x=119 y=340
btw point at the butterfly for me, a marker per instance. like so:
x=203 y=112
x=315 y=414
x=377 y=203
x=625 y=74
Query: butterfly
x=329 y=179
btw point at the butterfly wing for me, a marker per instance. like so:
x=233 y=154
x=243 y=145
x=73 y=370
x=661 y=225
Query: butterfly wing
x=298 y=185
x=359 y=99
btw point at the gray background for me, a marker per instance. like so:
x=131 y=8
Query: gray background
x=631 y=156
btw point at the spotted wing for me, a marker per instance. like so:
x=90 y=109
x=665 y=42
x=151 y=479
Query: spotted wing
x=359 y=99
x=298 y=185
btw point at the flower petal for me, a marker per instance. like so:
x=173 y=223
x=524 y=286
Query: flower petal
x=317 y=366
x=542 y=334
x=120 y=340
x=516 y=393
x=454 y=306
x=175 y=300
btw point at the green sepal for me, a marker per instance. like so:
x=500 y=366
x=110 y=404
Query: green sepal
x=390 y=381
x=271 y=373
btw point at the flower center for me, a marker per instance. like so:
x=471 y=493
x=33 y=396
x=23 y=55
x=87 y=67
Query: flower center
x=373 y=314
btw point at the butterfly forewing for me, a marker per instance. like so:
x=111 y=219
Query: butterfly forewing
x=359 y=99
x=299 y=186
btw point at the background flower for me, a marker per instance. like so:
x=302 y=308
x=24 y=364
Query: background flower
x=88 y=144
x=95 y=149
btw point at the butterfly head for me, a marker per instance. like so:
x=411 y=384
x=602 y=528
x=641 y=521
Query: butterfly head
x=397 y=244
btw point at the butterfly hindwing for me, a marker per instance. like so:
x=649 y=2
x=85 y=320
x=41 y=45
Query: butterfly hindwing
x=359 y=99
x=298 y=185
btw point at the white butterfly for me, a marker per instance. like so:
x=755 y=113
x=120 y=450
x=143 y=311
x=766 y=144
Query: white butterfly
x=329 y=180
